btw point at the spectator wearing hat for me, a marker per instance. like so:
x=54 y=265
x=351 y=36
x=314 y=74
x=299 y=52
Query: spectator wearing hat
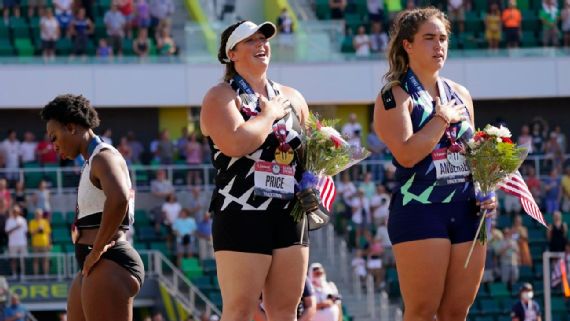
x=326 y=293
x=526 y=309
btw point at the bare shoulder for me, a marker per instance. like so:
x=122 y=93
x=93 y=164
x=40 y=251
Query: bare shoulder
x=400 y=97
x=221 y=91
x=297 y=100
x=460 y=89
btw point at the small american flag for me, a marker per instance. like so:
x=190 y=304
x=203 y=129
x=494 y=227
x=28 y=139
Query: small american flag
x=327 y=191
x=515 y=185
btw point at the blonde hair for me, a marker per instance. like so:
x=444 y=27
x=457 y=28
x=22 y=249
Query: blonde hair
x=405 y=27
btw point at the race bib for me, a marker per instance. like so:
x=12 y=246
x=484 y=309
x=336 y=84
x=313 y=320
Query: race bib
x=451 y=168
x=274 y=180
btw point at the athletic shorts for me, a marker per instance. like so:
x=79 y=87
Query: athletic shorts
x=257 y=231
x=121 y=253
x=456 y=221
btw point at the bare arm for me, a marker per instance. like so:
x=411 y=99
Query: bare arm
x=220 y=119
x=109 y=172
x=394 y=127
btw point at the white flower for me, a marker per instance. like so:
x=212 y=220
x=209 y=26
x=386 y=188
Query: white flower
x=499 y=139
x=330 y=132
x=472 y=144
x=492 y=130
x=504 y=132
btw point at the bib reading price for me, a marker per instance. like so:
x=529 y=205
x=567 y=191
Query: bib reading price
x=274 y=180
x=451 y=168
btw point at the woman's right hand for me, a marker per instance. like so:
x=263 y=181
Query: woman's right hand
x=275 y=107
x=454 y=113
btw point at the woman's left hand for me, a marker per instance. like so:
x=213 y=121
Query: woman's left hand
x=490 y=206
x=93 y=257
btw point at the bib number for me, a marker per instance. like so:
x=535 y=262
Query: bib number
x=274 y=180
x=450 y=167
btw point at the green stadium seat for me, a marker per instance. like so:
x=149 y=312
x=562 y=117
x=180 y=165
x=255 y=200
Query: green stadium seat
x=473 y=22
x=523 y=5
x=480 y=5
x=60 y=235
x=161 y=247
x=64 y=46
x=128 y=47
x=216 y=298
x=558 y=304
x=20 y=27
x=490 y=306
x=24 y=47
x=323 y=10
x=530 y=21
x=6 y=49
x=499 y=290
x=346 y=45
x=525 y=273
x=209 y=266
x=58 y=220
x=503 y=221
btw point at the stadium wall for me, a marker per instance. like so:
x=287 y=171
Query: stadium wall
x=353 y=82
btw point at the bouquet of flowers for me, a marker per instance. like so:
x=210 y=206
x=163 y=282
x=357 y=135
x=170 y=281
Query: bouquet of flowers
x=492 y=157
x=325 y=153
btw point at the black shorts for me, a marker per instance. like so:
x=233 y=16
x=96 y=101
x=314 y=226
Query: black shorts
x=456 y=221
x=122 y=253
x=257 y=231
x=512 y=35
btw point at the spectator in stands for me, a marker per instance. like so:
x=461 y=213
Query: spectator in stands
x=142 y=15
x=538 y=139
x=393 y=7
x=115 y=23
x=164 y=148
x=553 y=154
x=375 y=11
x=182 y=142
x=20 y=198
x=35 y=6
x=161 y=187
x=557 y=233
x=509 y=257
x=524 y=138
x=16 y=311
x=11 y=150
x=552 y=191
x=456 y=14
x=382 y=234
x=493 y=26
x=4 y=214
x=285 y=28
x=327 y=295
x=379 y=204
x=308 y=305
x=560 y=138
x=526 y=309
x=565 y=183
x=46 y=152
x=160 y=14
x=346 y=189
x=377 y=149
x=565 y=18
x=197 y=203
x=80 y=28
x=512 y=21
x=40 y=231
x=125 y=149
x=374 y=262
x=157 y=316
x=511 y=204
x=184 y=228
x=549 y=16
x=359 y=266
x=126 y=7
x=534 y=184
x=49 y=34
x=107 y=136
x=361 y=217
x=194 y=157
x=361 y=42
x=16 y=228
x=5 y=194
x=378 y=38
x=10 y=4
x=165 y=45
x=337 y=9
x=63 y=13
x=4 y=294
x=520 y=234
x=62 y=316
x=136 y=146
x=170 y=210
x=352 y=127
x=368 y=186
x=204 y=237
x=492 y=267
x=442 y=288
x=104 y=50
x=42 y=199
x=28 y=148
x=141 y=44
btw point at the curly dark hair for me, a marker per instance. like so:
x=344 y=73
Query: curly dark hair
x=222 y=57
x=68 y=109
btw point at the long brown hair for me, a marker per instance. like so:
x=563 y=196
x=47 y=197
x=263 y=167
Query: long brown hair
x=222 y=56
x=405 y=27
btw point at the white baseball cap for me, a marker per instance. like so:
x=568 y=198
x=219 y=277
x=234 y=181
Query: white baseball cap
x=246 y=30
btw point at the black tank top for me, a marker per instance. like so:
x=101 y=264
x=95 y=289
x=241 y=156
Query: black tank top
x=558 y=240
x=234 y=180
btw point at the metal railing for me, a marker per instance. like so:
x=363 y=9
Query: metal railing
x=546 y=260
x=63 y=266
x=65 y=179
